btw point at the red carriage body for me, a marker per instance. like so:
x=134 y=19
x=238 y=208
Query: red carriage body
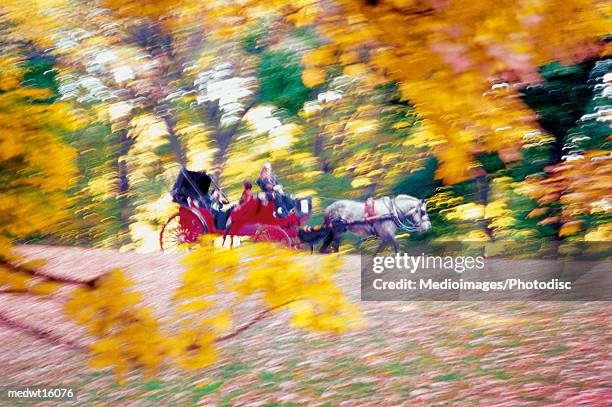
x=255 y=218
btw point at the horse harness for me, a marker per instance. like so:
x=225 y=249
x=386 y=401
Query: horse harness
x=369 y=210
x=404 y=224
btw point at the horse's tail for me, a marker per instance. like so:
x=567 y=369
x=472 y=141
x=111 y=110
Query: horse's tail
x=313 y=234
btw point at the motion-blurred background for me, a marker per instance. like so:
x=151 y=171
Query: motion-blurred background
x=497 y=113
x=498 y=116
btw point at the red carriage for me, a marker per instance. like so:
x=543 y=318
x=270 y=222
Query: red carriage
x=255 y=218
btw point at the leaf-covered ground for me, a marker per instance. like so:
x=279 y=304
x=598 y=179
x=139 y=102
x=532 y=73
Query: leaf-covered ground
x=417 y=353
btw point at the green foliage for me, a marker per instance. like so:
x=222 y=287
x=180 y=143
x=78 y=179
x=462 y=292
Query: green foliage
x=280 y=82
x=491 y=162
x=420 y=183
x=40 y=72
x=534 y=160
x=589 y=132
x=521 y=206
x=255 y=42
x=561 y=100
x=96 y=215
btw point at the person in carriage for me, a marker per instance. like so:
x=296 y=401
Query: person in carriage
x=200 y=212
x=247 y=193
x=268 y=182
x=192 y=188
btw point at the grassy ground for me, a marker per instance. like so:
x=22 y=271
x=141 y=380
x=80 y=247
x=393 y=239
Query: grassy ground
x=416 y=353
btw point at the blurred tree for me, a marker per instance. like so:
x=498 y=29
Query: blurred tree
x=33 y=187
x=564 y=103
x=460 y=65
x=574 y=191
x=560 y=102
x=359 y=137
x=177 y=83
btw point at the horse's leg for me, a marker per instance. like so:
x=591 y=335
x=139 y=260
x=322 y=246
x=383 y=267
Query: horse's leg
x=386 y=233
x=396 y=245
x=327 y=241
x=383 y=243
x=336 y=242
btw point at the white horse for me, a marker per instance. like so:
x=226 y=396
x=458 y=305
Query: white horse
x=381 y=218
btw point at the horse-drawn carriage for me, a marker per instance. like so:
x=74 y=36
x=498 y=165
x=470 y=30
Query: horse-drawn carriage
x=255 y=218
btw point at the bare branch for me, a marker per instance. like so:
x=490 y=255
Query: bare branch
x=42 y=334
x=38 y=273
x=262 y=315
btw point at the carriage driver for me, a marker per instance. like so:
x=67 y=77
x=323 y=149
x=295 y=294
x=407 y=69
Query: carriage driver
x=269 y=184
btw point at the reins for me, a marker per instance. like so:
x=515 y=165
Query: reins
x=405 y=224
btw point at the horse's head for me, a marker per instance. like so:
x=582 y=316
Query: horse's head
x=413 y=210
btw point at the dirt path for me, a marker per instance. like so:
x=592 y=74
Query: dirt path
x=427 y=353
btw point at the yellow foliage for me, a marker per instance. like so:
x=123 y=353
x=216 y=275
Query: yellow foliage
x=305 y=13
x=148 y=8
x=10 y=76
x=468 y=211
x=570 y=228
x=321 y=56
x=313 y=77
x=355 y=70
x=36 y=167
x=280 y=277
x=582 y=185
x=128 y=336
x=362 y=127
x=401 y=125
x=360 y=182
x=602 y=233
x=447 y=58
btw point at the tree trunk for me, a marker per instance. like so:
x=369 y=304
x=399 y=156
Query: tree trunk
x=319 y=147
x=123 y=186
x=179 y=153
x=220 y=157
x=480 y=184
x=223 y=138
x=159 y=46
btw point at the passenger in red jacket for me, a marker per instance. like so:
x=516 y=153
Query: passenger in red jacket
x=247 y=193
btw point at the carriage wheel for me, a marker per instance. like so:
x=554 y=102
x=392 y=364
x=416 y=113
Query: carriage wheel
x=272 y=233
x=174 y=237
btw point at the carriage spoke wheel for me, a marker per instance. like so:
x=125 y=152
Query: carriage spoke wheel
x=174 y=237
x=272 y=233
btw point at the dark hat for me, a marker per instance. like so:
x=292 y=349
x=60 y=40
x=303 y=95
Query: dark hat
x=247 y=184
